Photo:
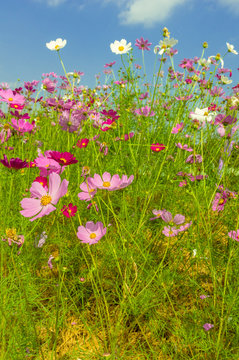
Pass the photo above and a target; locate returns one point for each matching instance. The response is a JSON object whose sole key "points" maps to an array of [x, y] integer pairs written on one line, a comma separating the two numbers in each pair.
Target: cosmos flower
{"points": [[230, 48], [165, 45], [91, 233], [120, 47], [208, 326], [42, 202], [88, 190], [11, 97], [82, 143], [143, 44], [22, 125], [157, 147], [69, 210], [109, 182], [14, 163], [234, 235], [202, 115], [63, 158], [177, 128], [56, 45]]}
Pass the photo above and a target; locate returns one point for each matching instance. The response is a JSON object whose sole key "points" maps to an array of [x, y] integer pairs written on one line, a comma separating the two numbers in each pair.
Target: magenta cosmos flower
{"points": [[109, 182], [234, 235], [69, 210], [14, 163], [157, 147], [143, 44], [63, 158], [91, 233], [42, 202]]}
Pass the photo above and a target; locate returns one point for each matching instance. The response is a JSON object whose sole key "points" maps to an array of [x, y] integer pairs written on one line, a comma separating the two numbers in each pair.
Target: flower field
{"points": [[119, 210]]}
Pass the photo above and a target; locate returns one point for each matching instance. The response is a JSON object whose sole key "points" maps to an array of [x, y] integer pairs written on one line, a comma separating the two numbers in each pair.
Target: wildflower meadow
{"points": [[119, 228]]}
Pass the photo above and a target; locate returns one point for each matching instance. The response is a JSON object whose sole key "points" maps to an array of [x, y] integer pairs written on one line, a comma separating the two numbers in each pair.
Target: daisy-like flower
{"points": [[234, 235], [202, 115], [143, 44], [225, 80], [42, 202], [56, 45], [11, 97], [69, 210], [63, 158], [47, 165], [230, 48], [144, 111], [82, 143], [12, 237], [88, 190], [91, 233], [219, 202], [177, 128], [120, 47], [184, 147], [165, 45], [14, 163], [109, 182], [157, 147], [22, 125], [170, 231], [208, 326], [158, 214]]}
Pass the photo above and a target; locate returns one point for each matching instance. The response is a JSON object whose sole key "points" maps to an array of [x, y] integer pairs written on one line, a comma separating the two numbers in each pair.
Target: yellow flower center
{"points": [[11, 233], [6, 126], [206, 113], [10, 99], [121, 48], [92, 236], [45, 200], [221, 201], [91, 190], [57, 47], [64, 160], [106, 184]]}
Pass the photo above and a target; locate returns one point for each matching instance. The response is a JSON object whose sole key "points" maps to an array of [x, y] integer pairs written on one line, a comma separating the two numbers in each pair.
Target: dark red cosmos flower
{"points": [[157, 147], [69, 210], [63, 158], [14, 163], [110, 114], [82, 143]]}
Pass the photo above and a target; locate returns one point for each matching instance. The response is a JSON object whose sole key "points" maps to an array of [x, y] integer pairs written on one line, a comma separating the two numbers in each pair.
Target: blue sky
{"points": [[89, 26]]}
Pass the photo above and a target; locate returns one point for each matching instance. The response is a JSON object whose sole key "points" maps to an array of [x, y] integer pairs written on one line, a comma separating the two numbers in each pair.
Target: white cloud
{"points": [[146, 12], [232, 5], [52, 3]]}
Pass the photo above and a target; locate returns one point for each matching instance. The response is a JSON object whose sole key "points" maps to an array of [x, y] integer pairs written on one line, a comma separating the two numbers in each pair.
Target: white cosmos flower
{"points": [[230, 48], [56, 45], [222, 62], [204, 62], [225, 80], [164, 45], [202, 115], [120, 47]]}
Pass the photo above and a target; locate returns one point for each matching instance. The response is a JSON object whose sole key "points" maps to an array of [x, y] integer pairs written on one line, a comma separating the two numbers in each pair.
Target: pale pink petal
{"points": [[37, 190], [46, 210], [106, 177], [178, 219], [166, 216]]}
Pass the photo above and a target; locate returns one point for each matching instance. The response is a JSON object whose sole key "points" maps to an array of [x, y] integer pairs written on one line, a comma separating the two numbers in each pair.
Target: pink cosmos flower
{"points": [[219, 202], [109, 182], [194, 159], [208, 326], [177, 220], [110, 64], [158, 214], [183, 147], [47, 166], [204, 296], [234, 235], [157, 147], [91, 233], [43, 201], [144, 96], [88, 190], [170, 231], [69, 210], [49, 85], [177, 128], [49, 263], [11, 97], [143, 44], [144, 111], [22, 126]]}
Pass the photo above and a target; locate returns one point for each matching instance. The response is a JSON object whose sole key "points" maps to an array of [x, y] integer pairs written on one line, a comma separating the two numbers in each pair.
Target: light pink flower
{"points": [[208, 326], [109, 182], [158, 214], [183, 147], [177, 128], [43, 201], [144, 111], [22, 125], [177, 220], [91, 233], [219, 202], [88, 190], [234, 235], [47, 165], [170, 231], [9, 97]]}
